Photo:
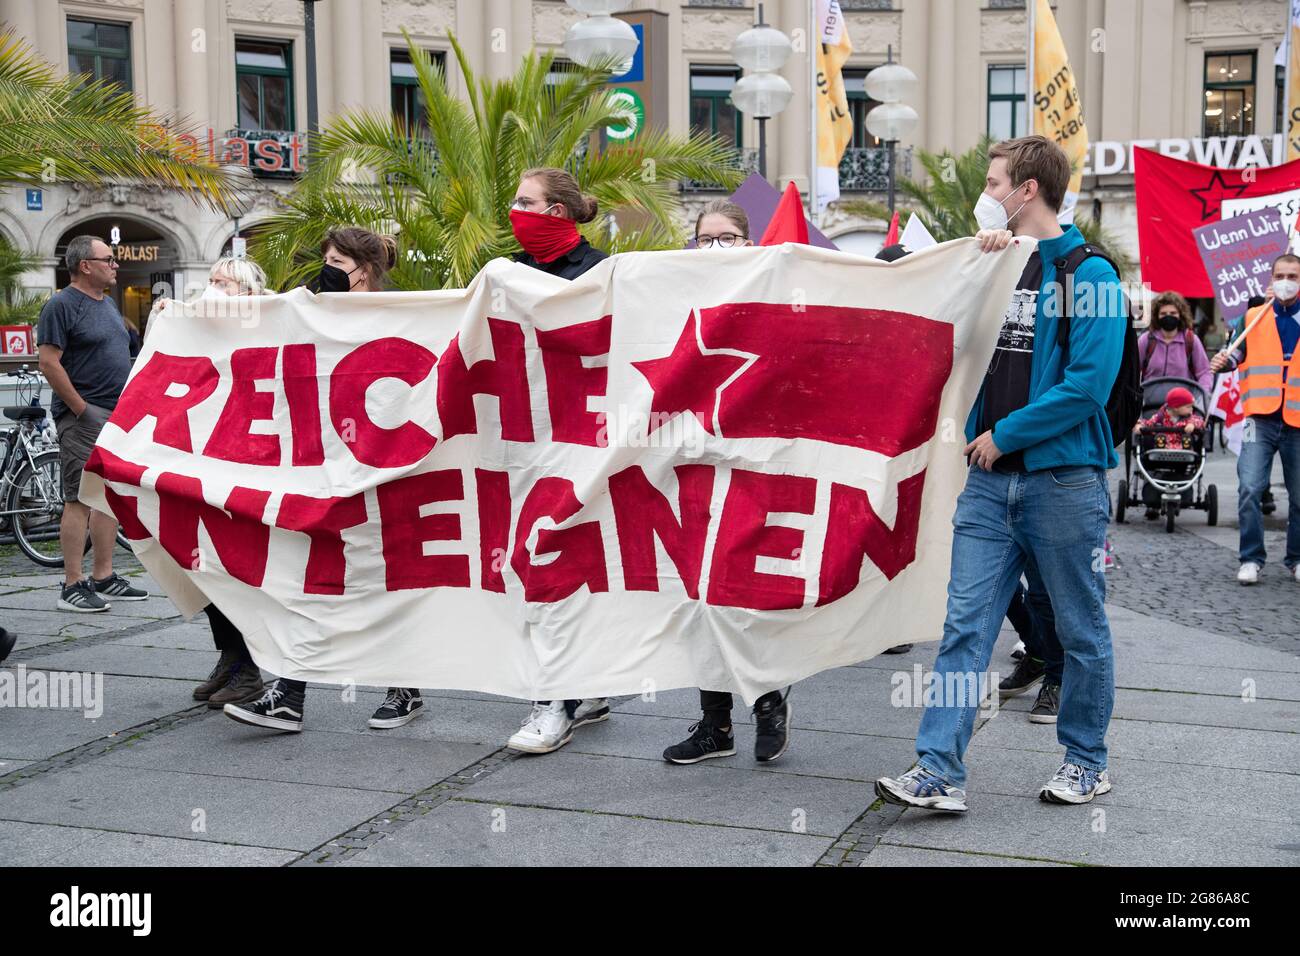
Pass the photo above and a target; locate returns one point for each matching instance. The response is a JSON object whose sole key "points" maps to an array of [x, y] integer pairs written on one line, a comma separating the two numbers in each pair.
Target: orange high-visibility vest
{"points": [[1262, 388]]}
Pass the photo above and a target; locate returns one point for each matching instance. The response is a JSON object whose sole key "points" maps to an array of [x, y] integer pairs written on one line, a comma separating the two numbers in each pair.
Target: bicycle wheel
{"points": [[36, 508]]}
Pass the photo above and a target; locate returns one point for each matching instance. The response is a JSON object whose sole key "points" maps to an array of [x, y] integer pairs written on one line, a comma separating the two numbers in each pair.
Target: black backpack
{"points": [[1124, 406]]}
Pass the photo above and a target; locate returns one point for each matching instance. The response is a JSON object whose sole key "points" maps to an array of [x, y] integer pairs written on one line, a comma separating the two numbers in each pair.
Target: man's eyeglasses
{"points": [[724, 241], [111, 260]]}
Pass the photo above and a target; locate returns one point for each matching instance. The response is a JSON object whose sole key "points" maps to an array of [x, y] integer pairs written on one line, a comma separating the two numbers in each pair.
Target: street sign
{"points": [[635, 73], [35, 200], [627, 132]]}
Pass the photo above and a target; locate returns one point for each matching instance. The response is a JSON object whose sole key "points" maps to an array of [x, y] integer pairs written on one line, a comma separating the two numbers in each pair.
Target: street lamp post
{"points": [[309, 27], [892, 119], [762, 92]]}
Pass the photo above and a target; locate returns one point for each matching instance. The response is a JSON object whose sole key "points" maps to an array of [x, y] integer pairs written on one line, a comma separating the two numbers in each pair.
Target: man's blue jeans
{"points": [[1058, 518], [1265, 437]]}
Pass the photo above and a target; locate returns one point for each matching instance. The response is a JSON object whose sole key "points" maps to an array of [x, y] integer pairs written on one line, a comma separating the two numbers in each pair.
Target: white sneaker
{"points": [[1248, 573], [547, 728], [591, 710], [1295, 573]]}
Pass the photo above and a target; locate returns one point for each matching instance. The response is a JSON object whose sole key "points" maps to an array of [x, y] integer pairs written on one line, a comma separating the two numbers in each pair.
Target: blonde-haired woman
{"points": [[235, 678]]}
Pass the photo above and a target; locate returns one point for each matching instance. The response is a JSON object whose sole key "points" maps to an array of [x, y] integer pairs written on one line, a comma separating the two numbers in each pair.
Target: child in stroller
{"points": [[1168, 448]]}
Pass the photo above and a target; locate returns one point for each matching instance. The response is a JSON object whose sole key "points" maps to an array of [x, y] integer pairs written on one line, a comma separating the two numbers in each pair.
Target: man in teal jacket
{"points": [[1039, 444]]}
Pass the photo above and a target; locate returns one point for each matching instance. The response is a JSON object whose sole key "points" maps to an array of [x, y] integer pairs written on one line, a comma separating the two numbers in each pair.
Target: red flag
{"points": [[788, 223], [891, 237], [1175, 196]]}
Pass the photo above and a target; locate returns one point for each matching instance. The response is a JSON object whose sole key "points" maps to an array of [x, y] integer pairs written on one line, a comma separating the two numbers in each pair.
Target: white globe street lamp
{"points": [[599, 39], [892, 119], [762, 92], [599, 8]]}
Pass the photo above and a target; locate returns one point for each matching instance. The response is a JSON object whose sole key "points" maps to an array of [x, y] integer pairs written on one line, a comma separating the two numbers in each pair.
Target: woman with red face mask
{"points": [[547, 208], [544, 215]]}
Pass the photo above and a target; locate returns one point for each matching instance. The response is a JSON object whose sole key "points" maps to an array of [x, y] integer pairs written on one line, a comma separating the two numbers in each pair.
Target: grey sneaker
{"points": [[81, 597], [1047, 705], [920, 788], [1075, 784], [590, 710], [119, 588]]}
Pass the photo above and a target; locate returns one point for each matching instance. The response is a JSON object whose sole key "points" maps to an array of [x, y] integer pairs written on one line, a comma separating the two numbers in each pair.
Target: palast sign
{"points": [[1112, 157]]}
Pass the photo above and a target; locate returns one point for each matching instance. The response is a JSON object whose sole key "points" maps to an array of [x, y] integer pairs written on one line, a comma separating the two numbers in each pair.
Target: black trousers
{"points": [[225, 635], [716, 704]]}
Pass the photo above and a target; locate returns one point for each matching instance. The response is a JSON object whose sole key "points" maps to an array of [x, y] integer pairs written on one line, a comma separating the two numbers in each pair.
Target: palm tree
{"points": [[17, 305], [70, 129], [446, 197], [946, 199]]}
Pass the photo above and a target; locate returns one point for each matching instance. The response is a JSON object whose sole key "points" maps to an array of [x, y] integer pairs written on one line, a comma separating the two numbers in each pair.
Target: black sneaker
{"points": [[1048, 704], [899, 649], [772, 736], [705, 741], [1029, 671], [81, 597], [401, 706], [280, 708], [119, 588], [7, 641]]}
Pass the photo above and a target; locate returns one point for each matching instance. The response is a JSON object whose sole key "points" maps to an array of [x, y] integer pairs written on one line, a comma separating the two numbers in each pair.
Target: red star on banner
{"points": [[687, 380], [1213, 193]]}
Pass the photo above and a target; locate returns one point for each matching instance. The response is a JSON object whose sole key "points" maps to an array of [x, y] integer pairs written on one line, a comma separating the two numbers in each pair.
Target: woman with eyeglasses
{"points": [[353, 260], [724, 225], [544, 216]]}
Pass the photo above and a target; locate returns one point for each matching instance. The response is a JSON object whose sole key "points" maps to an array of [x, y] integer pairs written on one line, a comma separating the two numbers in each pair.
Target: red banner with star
{"points": [[726, 469]]}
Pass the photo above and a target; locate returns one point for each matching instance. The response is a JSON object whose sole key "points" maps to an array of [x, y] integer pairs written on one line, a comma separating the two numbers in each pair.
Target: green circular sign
{"points": [[625, 133]]}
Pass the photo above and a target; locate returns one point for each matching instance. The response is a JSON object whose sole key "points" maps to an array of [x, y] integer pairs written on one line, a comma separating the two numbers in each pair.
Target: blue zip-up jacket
{"points": [[1064, 422]]}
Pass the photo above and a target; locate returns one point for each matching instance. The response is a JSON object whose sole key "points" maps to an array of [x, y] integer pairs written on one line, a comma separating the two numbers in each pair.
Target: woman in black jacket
{"points": [[544, 216]]}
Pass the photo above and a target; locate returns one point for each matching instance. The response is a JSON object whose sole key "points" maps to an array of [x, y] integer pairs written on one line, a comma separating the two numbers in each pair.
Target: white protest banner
{"points": [[725, 469]]}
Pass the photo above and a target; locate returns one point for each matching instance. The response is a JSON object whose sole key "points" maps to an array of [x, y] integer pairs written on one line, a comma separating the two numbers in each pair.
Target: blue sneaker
{"points": [[920, 788], [1075, 784]]}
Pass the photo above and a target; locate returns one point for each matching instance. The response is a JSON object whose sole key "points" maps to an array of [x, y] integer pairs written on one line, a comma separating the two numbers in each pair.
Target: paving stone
{"points": [[36, 733], [652, 788], [35, 844], [1132, 836], [458, 833], [890, 855], [130, 661], [163, 803], [222, 747]]}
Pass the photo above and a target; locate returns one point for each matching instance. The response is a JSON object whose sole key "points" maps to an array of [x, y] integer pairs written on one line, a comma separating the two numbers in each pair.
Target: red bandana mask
{"points": [[543, 237]]}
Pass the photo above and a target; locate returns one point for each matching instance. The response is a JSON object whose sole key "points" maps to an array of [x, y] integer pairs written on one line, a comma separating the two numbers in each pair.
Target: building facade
{"points": [[1190, 77]]}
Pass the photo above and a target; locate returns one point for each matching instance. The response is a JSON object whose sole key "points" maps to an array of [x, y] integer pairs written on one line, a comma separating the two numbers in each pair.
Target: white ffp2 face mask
{"points": [[991, 214], [213, 292], [1286, 289]]}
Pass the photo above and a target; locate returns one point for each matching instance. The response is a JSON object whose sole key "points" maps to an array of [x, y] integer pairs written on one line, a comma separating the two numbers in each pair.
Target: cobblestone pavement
{"points": [[153, 778]]}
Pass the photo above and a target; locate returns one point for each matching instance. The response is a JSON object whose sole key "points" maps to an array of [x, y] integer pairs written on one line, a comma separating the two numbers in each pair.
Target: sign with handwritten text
{"points": [[1238, 255]]}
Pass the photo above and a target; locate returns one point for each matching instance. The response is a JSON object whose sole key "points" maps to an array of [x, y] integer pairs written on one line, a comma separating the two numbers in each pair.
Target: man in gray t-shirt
{"points": [[85, 356]]}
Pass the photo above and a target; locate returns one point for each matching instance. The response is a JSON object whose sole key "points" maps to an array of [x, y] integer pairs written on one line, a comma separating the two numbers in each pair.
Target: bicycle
{"points": [[31, 479]]}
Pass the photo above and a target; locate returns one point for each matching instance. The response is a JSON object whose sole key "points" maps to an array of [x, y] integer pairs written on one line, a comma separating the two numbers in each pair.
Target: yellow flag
{"points": [[1292, 92], [1058, 113], [833, 121]]}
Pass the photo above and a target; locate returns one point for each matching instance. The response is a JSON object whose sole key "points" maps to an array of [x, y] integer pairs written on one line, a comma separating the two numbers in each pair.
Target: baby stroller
{"points": [[1168, 479]]}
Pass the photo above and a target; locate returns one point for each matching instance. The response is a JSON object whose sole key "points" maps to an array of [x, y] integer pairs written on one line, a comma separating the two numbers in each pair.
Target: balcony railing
{"points": [[866, 168], [748, 164]]}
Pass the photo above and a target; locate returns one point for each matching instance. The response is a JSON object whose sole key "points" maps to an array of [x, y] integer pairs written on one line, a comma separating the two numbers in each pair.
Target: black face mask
{"points": [[331, 279], [1169, 322]]}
